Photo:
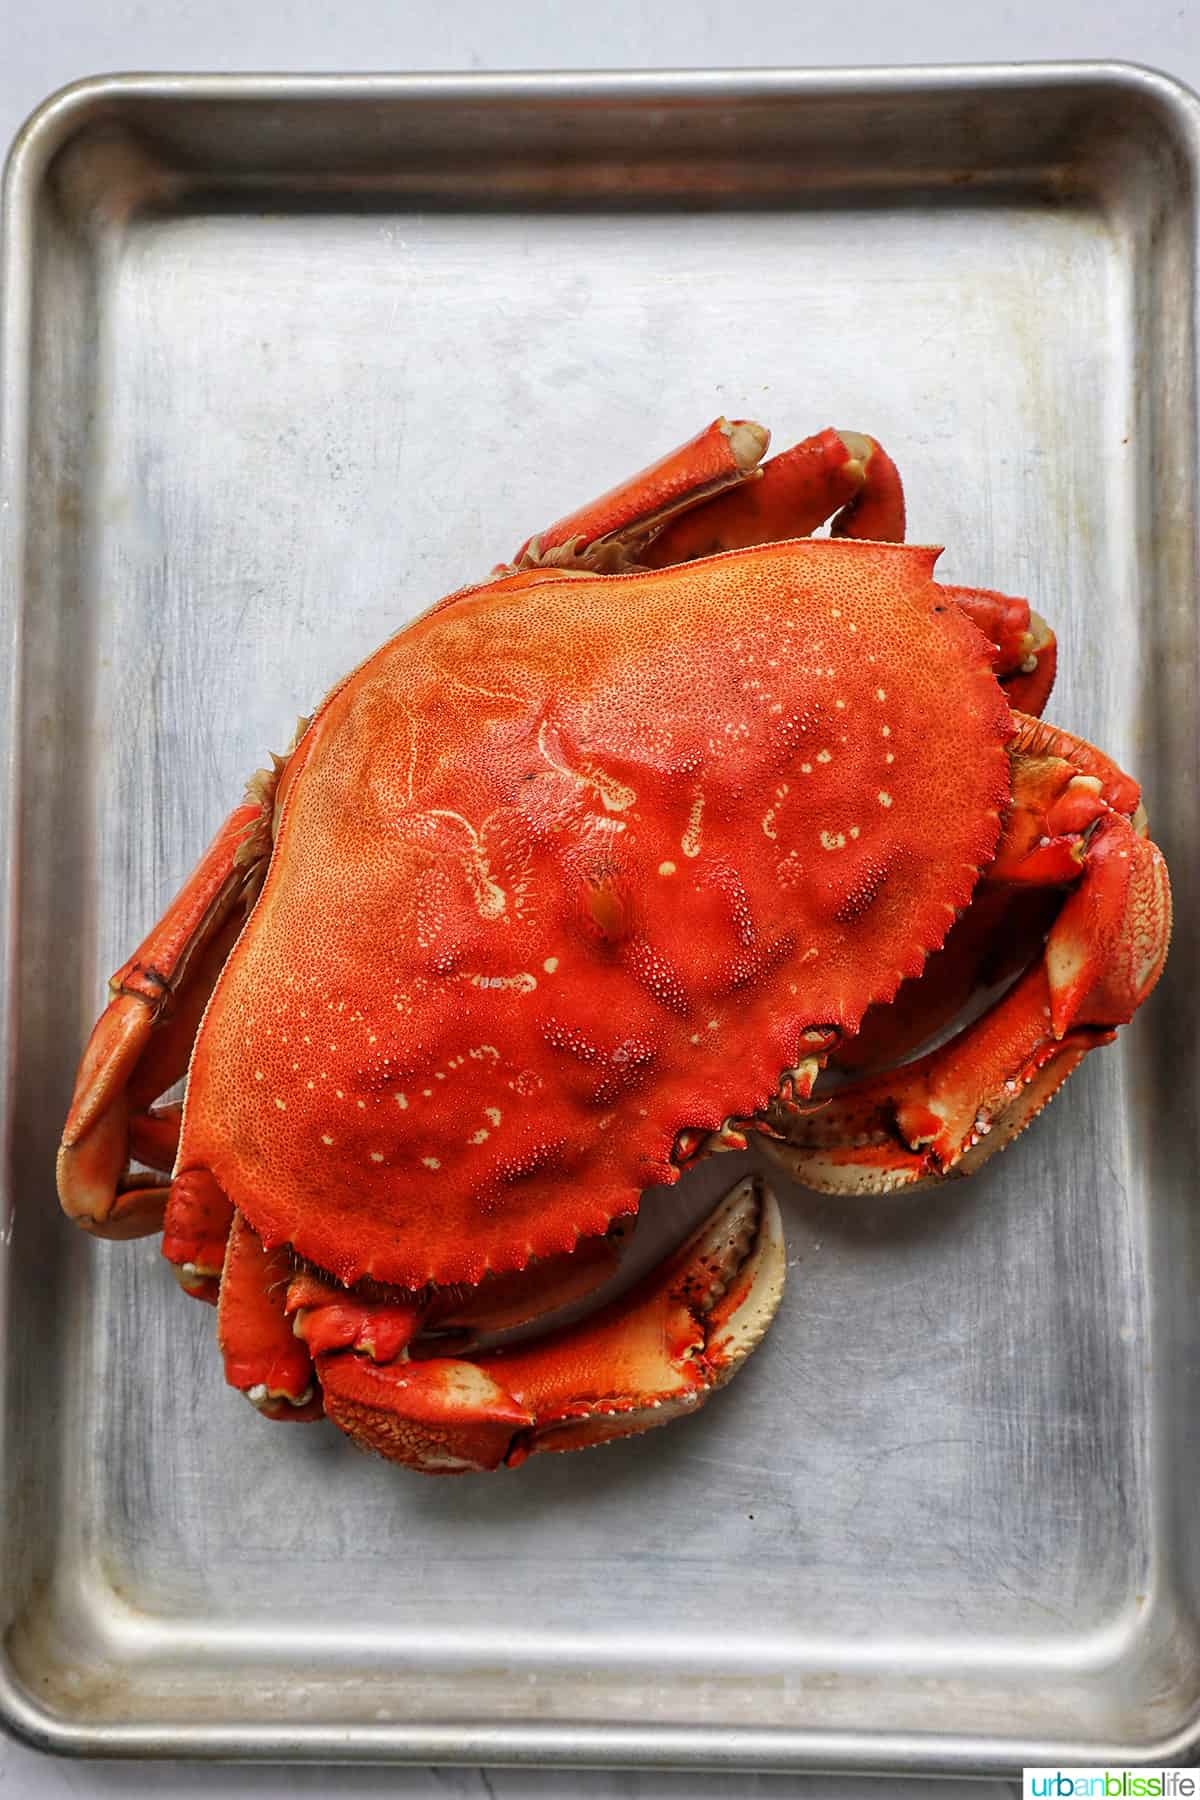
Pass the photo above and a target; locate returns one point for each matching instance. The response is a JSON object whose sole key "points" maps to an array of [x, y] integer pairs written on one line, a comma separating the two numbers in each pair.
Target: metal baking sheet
{"points": [[284, 360]]}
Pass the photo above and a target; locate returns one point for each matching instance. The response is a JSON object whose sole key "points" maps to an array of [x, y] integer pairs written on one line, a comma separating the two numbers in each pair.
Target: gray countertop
{"points": [[43, 47]]}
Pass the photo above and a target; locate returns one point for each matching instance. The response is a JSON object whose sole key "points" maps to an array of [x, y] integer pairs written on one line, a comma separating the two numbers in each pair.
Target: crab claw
{"points": [[662, 1349], [650, 1355]]}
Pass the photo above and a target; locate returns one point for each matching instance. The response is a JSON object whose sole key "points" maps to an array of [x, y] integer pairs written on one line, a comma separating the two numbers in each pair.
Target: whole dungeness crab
{"points": [[591, 869]]}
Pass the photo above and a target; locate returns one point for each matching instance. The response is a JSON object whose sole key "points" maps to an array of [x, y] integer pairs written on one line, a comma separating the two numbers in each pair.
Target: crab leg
{"points": [[197, 1219], [647, 1357], [1061, 788], [608, 532], [951, 1109], [142, 1041], [154, 1136], [990, 943], [263, 1357], [1026, 648], [920, 1121], [839, 472]]}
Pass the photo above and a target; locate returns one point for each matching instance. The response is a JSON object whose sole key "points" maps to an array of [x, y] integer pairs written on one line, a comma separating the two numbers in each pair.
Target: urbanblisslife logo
{"points": [[1112, 1784]]}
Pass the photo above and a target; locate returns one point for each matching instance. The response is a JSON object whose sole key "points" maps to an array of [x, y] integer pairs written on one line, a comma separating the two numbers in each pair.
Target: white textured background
{"points": [[43, 46]]}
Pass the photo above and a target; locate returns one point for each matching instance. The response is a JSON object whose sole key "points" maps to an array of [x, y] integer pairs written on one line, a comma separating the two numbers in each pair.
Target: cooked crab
{"points": [[590, 870]]}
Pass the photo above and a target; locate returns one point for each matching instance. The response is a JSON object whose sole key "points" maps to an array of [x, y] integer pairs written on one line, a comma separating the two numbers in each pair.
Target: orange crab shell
{"points": [[568, 867]]}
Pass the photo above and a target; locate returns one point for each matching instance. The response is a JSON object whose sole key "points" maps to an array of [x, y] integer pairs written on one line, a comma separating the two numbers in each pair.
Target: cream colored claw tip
{"points": [[747, 440], [738, 1254], [262, 1397], [859, 448]]}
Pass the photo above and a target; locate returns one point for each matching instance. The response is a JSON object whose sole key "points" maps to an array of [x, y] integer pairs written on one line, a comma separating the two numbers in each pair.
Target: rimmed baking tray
{"points": [[285, 358]]}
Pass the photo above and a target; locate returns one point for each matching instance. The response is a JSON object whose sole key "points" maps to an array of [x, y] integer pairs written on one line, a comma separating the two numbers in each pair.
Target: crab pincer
{"points": [[646, 1358]]}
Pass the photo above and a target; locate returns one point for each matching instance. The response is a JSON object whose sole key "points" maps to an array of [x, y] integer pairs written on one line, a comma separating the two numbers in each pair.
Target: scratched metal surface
{"points": [[285, 359]]}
